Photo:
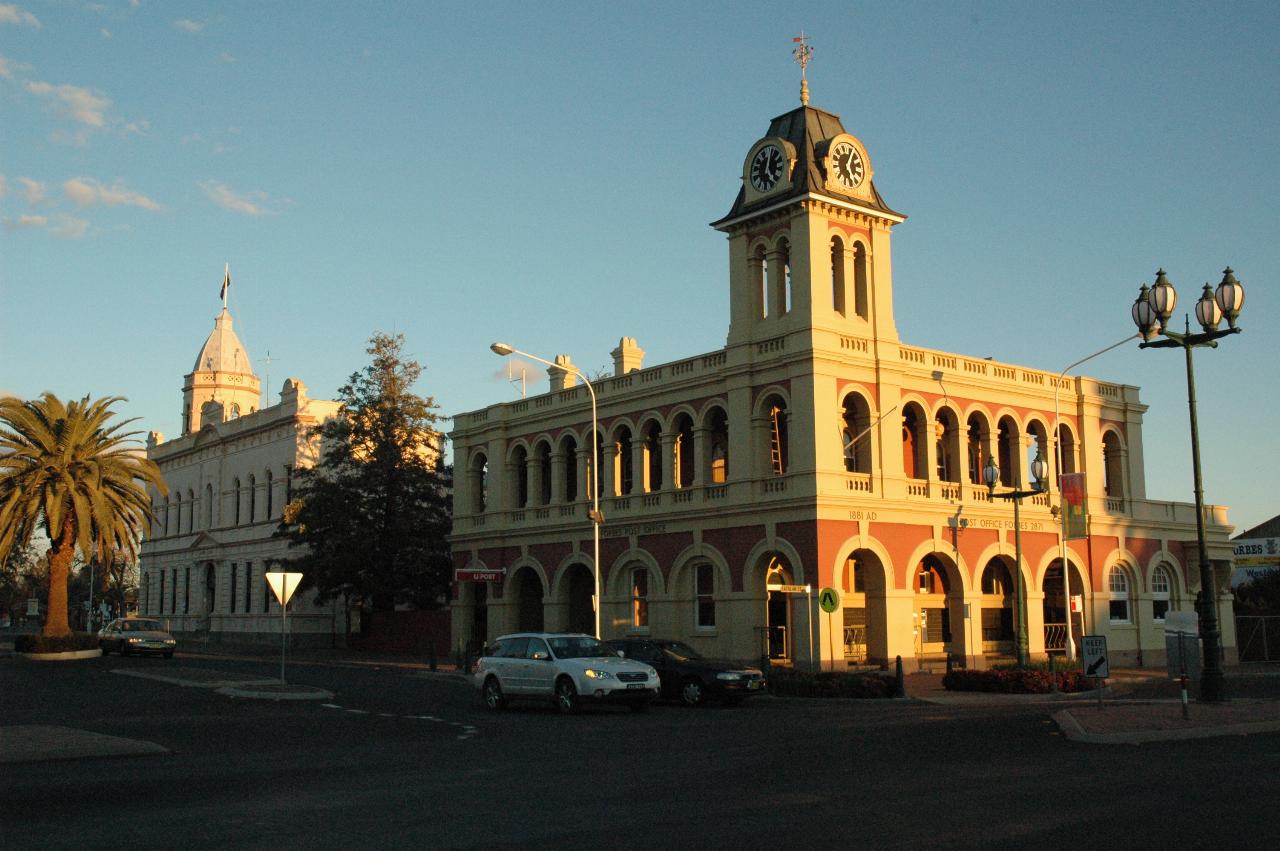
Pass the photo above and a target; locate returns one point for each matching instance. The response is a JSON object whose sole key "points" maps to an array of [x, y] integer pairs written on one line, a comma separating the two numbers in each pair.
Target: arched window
{"points": [[855, 434], [520, 465], [1067, 446], [177, 513], [946, 429], [208, 506], [837, 275], [861, 290], [718, 424], [784, 277], [1113, 465], [253, 499], [235, 486], [479, 483], [1161, 593], [640, 597], [191, 510], [704, 589], [913, 442], [684, 452], [1008, 457], [1118, 585], [569, 462], [977, 455], [623, 462], [268, 494], [543, 455], [165, 518], [760, 281], [653, 456]]}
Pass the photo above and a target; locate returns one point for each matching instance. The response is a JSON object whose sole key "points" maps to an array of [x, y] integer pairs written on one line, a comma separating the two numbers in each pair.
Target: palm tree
{"points": [[64, 465]]}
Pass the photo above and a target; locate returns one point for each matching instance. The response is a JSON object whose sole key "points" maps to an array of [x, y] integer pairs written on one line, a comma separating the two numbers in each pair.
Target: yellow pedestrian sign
{"points": [[829, 600]]}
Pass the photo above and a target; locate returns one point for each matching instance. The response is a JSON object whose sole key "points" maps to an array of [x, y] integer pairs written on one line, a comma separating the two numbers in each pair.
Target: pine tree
{"points": [[371, 518]]}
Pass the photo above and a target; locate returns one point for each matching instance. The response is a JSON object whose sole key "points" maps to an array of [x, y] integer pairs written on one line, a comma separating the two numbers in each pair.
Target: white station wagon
{"points": [[566, 668]]}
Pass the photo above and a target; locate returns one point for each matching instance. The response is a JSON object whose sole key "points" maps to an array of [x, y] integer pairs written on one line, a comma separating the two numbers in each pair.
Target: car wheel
{"points": [[566, 696], [691, 693], [493, 696]]}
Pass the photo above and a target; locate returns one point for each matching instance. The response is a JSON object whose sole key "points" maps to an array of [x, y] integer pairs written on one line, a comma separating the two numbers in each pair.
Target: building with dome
{"points": [[818, 450], [229, 475]]}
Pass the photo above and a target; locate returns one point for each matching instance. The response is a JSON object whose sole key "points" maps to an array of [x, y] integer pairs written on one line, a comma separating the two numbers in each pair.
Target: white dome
{"points": [[223, 351]]}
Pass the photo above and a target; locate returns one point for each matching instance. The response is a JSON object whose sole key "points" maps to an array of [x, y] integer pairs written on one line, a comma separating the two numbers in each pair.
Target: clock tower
{"points": [[809, 237]]}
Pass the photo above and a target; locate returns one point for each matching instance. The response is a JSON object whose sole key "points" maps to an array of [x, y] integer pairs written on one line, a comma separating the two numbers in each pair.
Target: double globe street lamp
{"points": [[991, 475], [1151, 312], [594, 514]]}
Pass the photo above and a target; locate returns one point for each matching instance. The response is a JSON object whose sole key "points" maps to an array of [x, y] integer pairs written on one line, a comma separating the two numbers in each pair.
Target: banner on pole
{"points": [[1075, 511]]}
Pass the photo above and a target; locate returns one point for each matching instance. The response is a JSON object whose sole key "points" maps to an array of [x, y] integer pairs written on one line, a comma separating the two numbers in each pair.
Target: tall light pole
{"points": [[1057, 444], [596, 517], [1151, 312], [991, 475]]}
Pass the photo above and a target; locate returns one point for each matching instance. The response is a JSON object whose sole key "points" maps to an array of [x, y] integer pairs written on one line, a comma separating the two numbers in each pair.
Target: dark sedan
{"points": [[687, 675], [136, 635]]}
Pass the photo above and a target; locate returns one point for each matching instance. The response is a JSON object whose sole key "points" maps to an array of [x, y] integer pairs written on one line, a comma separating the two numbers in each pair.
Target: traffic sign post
{"points": [[1093, 659], [829, 602], [283, 585]]}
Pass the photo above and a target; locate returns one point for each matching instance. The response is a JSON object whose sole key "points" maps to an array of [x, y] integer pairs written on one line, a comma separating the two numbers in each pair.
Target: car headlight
{"points": [[171, 641], [729, 675], [593, 674], [135, 640]]}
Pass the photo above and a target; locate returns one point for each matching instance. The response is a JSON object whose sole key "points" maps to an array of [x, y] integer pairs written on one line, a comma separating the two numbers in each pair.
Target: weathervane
{"points": [[802, 54]]}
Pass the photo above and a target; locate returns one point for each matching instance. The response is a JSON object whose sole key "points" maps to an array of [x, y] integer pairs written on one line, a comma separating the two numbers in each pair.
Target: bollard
{"points": [[899, 688]]}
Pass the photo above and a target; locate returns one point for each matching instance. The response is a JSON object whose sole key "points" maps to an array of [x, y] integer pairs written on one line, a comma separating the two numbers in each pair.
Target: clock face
{"points": [[766, 168], [846, 165]]}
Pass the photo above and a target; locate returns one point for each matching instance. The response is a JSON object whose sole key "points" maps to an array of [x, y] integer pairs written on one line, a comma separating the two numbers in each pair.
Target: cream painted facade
{"points": [[229, 477], [817, 448]]}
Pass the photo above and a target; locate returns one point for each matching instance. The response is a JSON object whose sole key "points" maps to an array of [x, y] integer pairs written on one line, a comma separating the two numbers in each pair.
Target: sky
{"points": [[544, 174]]}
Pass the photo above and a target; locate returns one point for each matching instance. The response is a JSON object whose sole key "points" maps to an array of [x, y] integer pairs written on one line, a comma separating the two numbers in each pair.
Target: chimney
{"points": [[628, 357], [560, 379]]}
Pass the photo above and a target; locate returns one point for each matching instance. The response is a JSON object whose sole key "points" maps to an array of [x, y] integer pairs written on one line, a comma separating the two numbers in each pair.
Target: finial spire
{"points": [[226, 285], [802, 55]]}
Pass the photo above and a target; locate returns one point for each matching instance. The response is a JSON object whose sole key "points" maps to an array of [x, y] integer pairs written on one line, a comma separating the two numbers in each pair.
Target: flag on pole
{"points": [[226, 284], [1075, 512]]}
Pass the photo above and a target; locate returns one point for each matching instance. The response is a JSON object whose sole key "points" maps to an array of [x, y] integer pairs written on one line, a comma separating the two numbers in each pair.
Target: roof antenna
{"points": [[802, 55], [266, 380]]}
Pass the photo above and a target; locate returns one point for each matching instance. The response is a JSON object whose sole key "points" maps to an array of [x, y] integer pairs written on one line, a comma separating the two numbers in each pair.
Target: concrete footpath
{"points": [[1138, 705]]}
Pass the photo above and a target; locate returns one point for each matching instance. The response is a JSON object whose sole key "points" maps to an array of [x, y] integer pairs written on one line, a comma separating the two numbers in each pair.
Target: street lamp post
{"points": [[596, 517], [991, 475], [1151, 312]]}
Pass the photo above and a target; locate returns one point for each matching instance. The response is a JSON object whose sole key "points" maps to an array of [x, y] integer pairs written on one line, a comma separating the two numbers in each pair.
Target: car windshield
{"points": [[580, 648], [141, 626], [680, 651]]}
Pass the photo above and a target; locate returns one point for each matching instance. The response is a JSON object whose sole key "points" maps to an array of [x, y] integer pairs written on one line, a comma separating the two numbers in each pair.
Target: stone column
{"points": [[558, 478], [609, 480], [639, 469], [667, 442], [533, 470], [701, 456]]}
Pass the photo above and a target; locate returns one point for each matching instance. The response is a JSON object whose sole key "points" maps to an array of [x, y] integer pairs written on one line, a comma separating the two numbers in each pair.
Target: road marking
{"points": [[467, 731]]}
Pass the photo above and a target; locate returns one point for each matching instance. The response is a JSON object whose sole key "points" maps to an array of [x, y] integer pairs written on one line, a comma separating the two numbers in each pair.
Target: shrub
{"points": [[55, 644], [1029, 680], [828, 684]]}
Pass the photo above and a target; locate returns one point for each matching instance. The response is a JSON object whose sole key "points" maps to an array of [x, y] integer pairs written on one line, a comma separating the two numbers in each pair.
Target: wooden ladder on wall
{"points": [[775, 440]]}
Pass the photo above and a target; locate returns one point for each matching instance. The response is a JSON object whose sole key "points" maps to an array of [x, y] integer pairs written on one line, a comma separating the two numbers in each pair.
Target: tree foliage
{"points": [[66, 465], [371, 518], [1260, 595]]}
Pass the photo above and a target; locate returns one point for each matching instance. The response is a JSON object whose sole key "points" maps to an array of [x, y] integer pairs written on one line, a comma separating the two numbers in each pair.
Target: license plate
{"points": [[636, 685]]}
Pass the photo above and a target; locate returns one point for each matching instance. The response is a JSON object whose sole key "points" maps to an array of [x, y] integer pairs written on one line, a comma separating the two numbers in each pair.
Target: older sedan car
{"points": [[566, 668], [136, 635], [687, 675]]}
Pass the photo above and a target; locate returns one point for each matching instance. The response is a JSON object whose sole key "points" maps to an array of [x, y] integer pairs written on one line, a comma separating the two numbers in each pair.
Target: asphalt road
{"points": [[399, 758]]}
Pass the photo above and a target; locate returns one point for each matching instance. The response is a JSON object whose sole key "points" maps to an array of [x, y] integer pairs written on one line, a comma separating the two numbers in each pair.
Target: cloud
{"points": [[32, 190], [6, 68], [76, 103], [60, 225], [106, 33], [227, 58], [188, 25], [26, 221], [11, 14], [248, 204], [140, 127], [4, 186], [86, 192]]}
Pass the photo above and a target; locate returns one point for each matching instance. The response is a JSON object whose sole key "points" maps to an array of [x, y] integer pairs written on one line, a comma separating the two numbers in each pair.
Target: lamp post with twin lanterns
{"points": [[1151, 312], [991, 475], [594, 514]]}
